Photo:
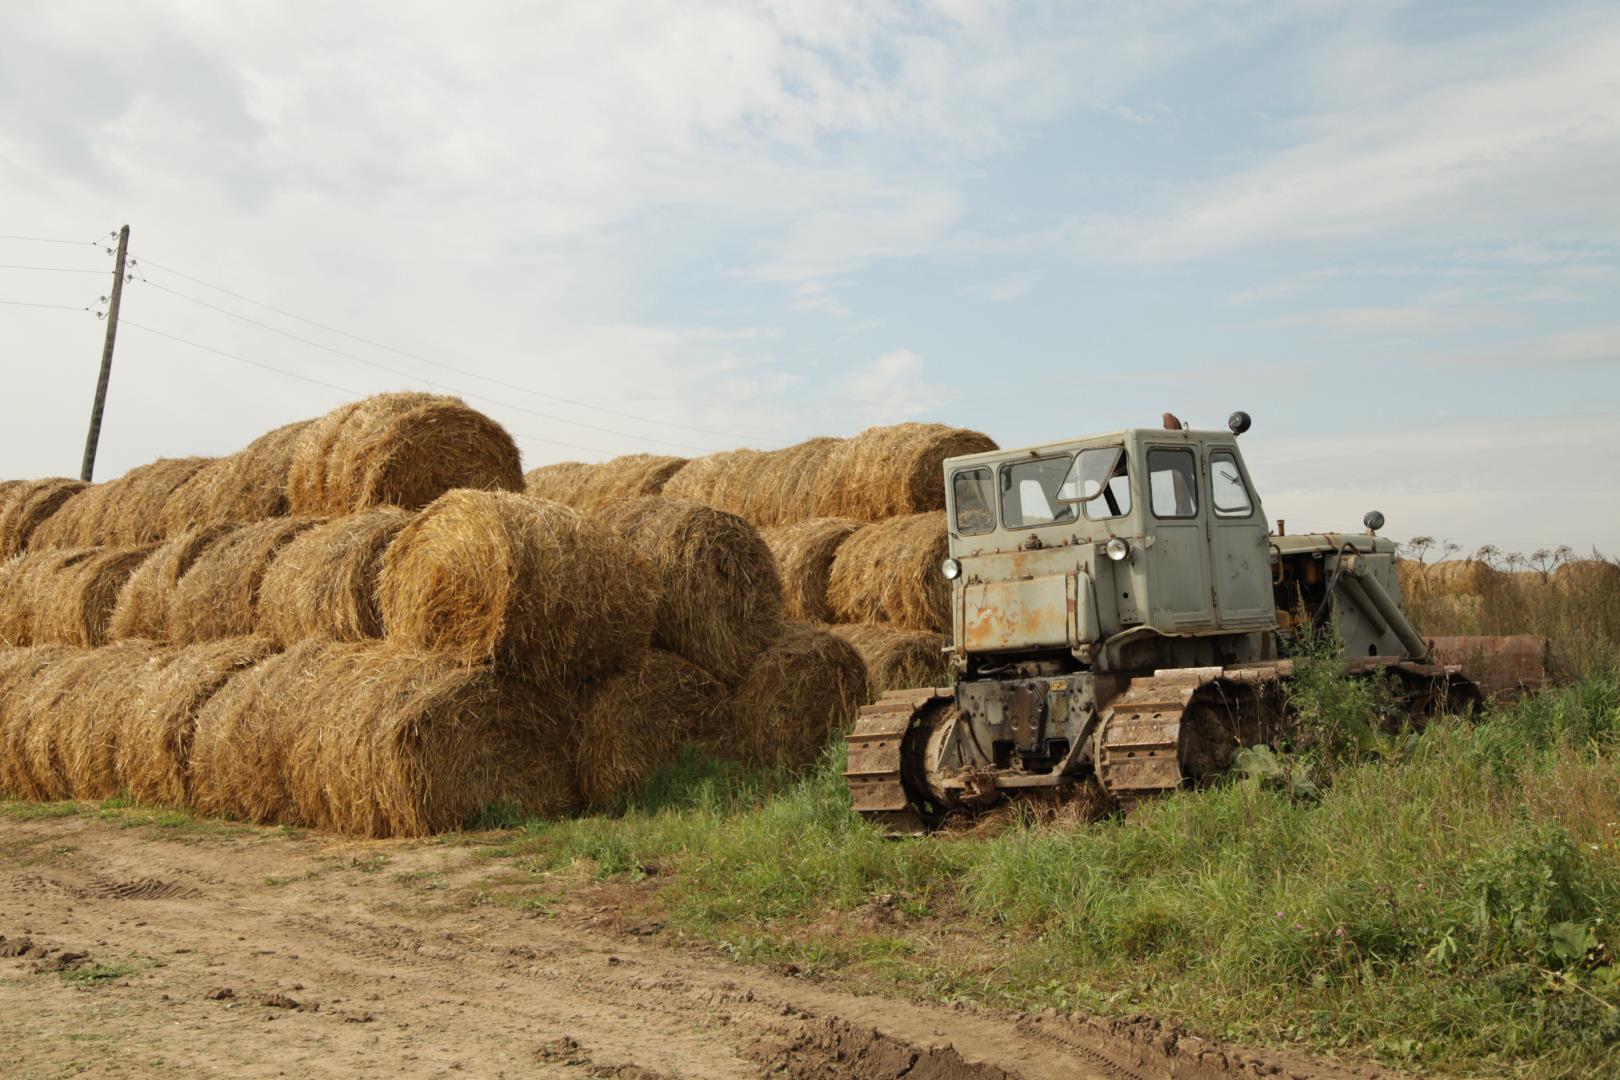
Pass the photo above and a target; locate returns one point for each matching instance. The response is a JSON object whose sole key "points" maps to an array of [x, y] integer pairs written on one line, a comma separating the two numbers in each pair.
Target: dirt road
{"points": [[124, 952]]}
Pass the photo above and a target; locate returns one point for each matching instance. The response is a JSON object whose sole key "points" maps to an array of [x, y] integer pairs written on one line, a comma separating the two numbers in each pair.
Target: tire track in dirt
{"points": [[273, 956]]}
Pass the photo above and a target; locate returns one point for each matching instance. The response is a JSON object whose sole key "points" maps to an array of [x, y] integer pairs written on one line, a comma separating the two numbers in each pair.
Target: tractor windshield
{"points": [[1099, 471]]}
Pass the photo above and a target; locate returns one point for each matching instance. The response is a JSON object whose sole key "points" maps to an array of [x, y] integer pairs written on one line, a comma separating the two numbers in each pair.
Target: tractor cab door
{"points": [[1180, 593], [1239, 548]]}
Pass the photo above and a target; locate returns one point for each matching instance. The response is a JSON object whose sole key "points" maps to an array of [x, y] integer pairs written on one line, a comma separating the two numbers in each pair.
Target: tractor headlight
{"points": [[1117, 549], [951, 569]]}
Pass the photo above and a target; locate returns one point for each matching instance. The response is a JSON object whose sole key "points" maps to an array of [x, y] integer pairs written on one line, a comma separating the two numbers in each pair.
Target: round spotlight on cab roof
{"points": [[1374, 521], [1238, 422], [951, 569], [1117, 549]]}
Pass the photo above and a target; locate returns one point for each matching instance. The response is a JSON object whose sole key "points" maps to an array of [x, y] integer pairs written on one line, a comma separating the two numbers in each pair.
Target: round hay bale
{"points": [[249, 485], [219, 596], [152, 759], [1465, 577], [897, 659], [86, 728], [28, 584], [57, 702], [889, 572], [373, 741], [1581, 577], [30, 506], [19, 668], [590, 487], [721, 597], [803, 691], [634, 723], [804, 556], [526, 584], [763, 487], [126, 512], [887, 471], [324, 583], [75, 607], [1413, 577], [399, 450], [142, 610]]}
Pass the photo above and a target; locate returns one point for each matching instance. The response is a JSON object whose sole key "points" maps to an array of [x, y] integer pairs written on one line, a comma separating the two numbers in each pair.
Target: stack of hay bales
{"points": [[593, 487]]}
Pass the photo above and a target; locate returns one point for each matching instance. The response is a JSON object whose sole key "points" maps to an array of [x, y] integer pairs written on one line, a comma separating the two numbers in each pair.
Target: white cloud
{"points": [[893, 385], [1007, 288]]}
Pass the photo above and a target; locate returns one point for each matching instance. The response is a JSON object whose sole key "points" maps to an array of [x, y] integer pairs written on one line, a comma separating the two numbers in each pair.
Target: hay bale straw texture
{"points": [[1580, 576], [887, 471], [526, 584], [83, 733], [142, 610], [152, 758], [804, 557], [30, 505], [591, 487], [721, 597], [73, 604], [763, 487], [19, 670], [635, 723], [324, 583], [897, 659], [372, 741], [889, 572], [126, 512], [1465, 577], [249, 485], [398, 450], [804, 689], [218, 596], [28, 583]]}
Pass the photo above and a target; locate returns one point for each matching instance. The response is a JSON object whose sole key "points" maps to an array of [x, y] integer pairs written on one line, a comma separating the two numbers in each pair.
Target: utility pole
{"points": [[100, 406]]}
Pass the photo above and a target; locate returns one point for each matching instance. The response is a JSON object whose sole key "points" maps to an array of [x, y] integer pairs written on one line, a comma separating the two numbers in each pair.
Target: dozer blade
{"points": [[876, 757], [1503, 666]]}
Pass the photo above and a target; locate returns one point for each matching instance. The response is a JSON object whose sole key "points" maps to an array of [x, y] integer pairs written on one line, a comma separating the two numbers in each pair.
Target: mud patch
{"points": [[827, 1048]]}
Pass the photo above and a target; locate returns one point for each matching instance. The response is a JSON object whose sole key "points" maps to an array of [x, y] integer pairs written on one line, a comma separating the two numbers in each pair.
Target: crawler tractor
{"points": [[1122, 612]]}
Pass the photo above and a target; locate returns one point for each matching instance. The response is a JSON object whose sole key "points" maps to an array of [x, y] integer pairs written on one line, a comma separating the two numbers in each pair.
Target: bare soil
{"points": [[248, 953]]}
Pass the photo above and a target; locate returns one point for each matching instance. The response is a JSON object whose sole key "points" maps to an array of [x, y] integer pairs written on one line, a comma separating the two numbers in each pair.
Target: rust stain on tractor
{"points": [[1030, 613]]}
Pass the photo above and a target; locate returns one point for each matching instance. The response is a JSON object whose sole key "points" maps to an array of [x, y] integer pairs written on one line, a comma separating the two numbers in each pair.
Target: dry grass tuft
{"points": [[721, 598], [152, 759], [218, 597], [29, 506], [592, 487], [526, 584], [635, 723], [126, 512], [249, 485], [804, 557], [897, 659], [142, 610], [403, 450], [804, 690], [887, 471], [372, 741], [73, 603], [324, 583], [889, 572]]}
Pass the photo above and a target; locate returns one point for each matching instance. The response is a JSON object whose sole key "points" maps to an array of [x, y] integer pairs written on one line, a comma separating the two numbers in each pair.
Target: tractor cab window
{"points": [[1031, 493], [1099, 482], [1173, 483], [1227, 490], [973, 501]]}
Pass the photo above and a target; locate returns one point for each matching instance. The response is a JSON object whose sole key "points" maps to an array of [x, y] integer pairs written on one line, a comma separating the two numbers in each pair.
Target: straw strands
{"points": [[526, 584], [806, 688], [398, 450], [219, 596], [591, 487], [804, 556], [888, 471], [372, 741], [126, 512], [27, 584], [19, 668], [763, 487], [721, 597], [898, 659], [889, 572], [142, 610], [634, 723], [249, 485], [324, 583], [73, 602], [28, 506]]}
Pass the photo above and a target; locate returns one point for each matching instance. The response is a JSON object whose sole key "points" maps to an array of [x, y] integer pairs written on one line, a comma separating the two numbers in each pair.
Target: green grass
{"points": [[1440, 900], [96, 974]]}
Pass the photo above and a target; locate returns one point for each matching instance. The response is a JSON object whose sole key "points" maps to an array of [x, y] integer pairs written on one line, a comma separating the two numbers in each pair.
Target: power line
{"points": [[412, 375], [53, 240], [448, 367], [328, 385], [56, 307], [54, 269]]}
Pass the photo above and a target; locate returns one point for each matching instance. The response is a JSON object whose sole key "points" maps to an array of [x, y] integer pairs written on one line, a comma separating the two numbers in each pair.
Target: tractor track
{"points": [[302, 956]]}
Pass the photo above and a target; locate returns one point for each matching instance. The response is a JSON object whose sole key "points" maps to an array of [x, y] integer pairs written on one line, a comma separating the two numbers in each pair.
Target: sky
{"points": [[1388, 231]]}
